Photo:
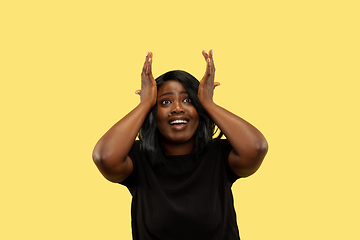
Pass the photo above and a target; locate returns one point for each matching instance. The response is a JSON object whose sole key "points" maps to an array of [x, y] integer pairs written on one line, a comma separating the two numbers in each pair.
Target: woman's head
{"points": [[176, 118], [149, 132]]}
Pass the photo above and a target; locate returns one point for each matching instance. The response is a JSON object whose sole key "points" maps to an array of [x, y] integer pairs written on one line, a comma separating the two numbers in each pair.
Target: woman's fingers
{"points": [[211, 62], [147, 68], [206, 56], [210, 67], [211, 53], [147, 64]]}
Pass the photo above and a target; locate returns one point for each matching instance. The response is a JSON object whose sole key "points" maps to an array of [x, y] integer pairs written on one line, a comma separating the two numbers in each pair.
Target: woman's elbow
{"points": [[102, 160], [97, 157], [258, 149], [263, 147]]}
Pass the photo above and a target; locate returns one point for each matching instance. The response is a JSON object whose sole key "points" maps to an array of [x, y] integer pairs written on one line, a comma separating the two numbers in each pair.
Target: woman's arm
{"points": [[249, 145], [111, 152]]}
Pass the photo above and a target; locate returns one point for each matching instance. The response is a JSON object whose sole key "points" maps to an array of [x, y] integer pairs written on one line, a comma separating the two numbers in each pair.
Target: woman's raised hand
{"points": [[148, 92], [207, 84]]}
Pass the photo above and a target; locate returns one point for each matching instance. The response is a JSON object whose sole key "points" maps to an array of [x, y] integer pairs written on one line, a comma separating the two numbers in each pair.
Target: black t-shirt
{"points": [[184, 198]]}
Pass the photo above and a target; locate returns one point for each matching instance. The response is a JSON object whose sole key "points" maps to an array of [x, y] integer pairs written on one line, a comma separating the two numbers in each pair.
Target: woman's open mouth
{"points": [[178, 124]]}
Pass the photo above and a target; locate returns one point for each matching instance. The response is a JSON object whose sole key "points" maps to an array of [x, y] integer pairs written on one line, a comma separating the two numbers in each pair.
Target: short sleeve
{"points": [[135, 155], [225, 149]]}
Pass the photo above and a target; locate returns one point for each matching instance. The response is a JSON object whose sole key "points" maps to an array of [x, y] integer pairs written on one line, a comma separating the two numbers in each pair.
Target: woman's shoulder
{"points": [[135, 151], [220, 149], [218, 145], [216, 142]]}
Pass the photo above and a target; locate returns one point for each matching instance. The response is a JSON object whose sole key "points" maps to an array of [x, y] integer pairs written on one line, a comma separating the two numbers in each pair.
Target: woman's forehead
{"points": [[170, 87]]}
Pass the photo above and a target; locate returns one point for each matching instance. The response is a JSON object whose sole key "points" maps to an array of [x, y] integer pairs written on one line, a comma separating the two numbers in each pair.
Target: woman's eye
{"points": [[165, 102], [187, 100]]}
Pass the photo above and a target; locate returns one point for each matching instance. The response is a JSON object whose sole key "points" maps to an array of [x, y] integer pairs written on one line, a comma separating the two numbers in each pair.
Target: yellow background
{"points": [[69, 70]]}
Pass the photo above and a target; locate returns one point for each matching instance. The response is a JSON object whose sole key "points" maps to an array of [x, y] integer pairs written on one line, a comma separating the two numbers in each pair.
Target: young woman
{"points": [[179, 176]]}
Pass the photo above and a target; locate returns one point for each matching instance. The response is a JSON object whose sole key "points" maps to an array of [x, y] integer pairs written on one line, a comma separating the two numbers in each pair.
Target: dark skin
{"points": [[249, 145], [174, 104]]}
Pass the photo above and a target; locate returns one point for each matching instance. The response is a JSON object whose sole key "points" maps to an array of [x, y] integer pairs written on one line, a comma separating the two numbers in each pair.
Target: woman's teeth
{"points": [[178, 122]]}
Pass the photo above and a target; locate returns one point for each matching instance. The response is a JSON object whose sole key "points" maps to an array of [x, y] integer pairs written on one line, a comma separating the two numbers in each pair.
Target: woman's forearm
{"points": [[113, 148], [246, 140]]}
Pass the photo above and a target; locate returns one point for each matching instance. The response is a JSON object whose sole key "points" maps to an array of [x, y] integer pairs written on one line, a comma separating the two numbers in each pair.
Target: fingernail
{"points": [[147, 53], [212, 52], [149, 59]]}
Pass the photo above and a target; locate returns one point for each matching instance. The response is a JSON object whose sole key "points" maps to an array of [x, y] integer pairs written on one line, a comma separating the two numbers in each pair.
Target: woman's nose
{"points": [[177, 108]]}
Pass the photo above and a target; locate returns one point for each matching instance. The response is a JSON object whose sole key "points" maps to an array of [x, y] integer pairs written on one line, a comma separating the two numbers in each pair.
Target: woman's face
{"points": [[177, 118]]}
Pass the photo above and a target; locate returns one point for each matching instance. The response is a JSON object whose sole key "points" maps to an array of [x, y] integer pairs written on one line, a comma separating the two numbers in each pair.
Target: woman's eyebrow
{"points": [[170, 93]]}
